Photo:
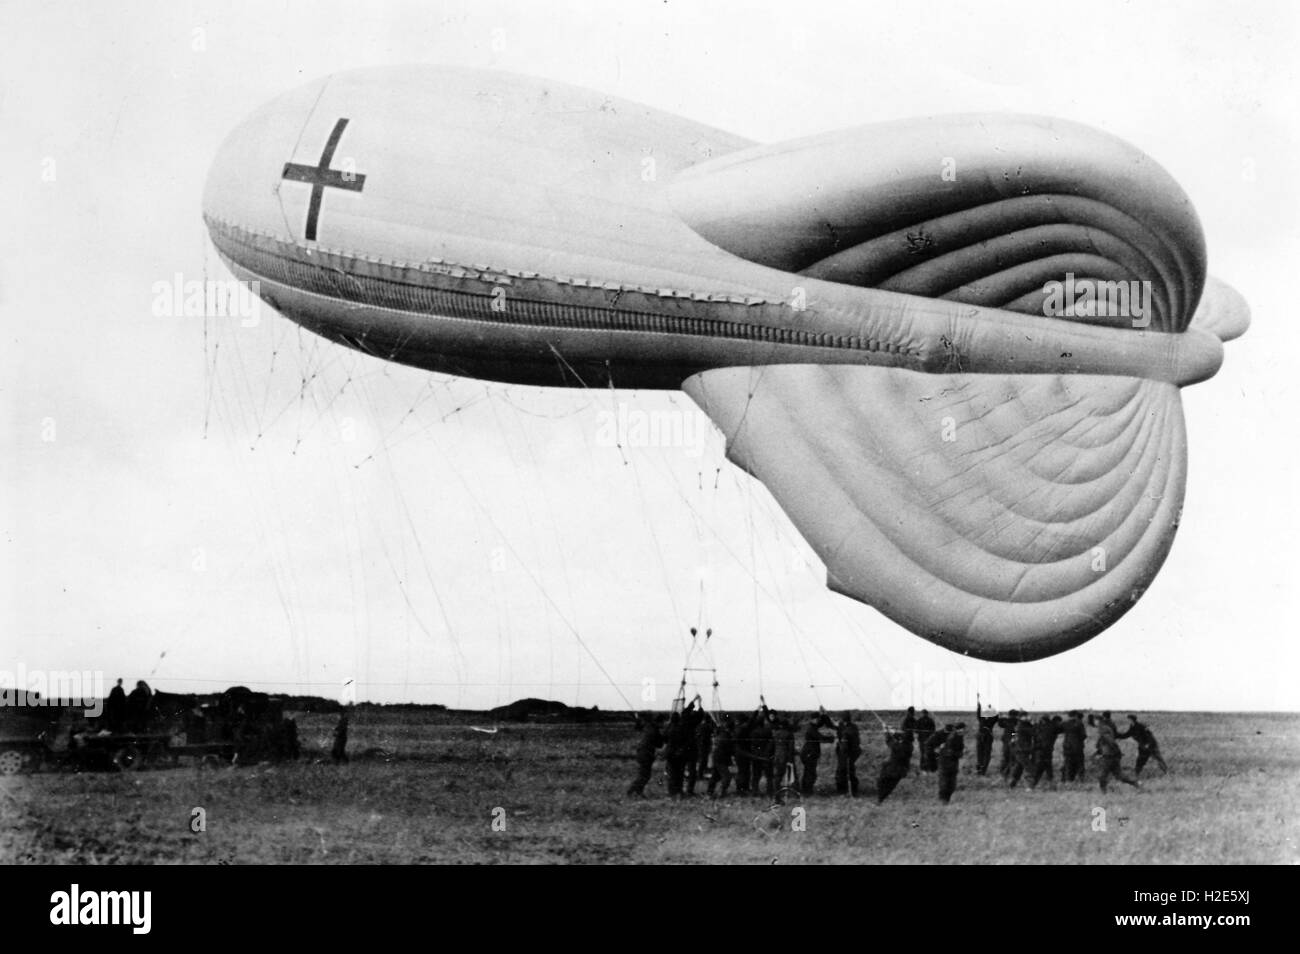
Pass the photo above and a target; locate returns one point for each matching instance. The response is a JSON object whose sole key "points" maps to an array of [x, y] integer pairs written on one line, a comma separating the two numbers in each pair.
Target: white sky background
{"points": [[442, 555]]}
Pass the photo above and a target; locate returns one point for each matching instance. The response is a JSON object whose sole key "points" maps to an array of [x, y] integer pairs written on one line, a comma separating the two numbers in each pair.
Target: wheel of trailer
{"points": [[210, 761], [14, 761], [128, 759]]}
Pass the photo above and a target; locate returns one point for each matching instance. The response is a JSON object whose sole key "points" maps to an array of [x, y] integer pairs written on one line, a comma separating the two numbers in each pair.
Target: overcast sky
{"points": [[201, 503]]}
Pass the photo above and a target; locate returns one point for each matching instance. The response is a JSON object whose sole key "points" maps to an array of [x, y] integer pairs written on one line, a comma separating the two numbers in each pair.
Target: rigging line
{"points": [[650, 524], [739, 562], [532, 532], [246, 381], [699, 612], [758, 636], [677, 614], [384, 447], [305, 359], [546, 595], [777, 521], [416, 402], [237, 448], [288, 229], [550, 509], [636, 475], [434, 422], [458, 655], [504, 396], [321, 411], [798, 641], [270, 375], [357, 582], [755, 376], [207, 368]]}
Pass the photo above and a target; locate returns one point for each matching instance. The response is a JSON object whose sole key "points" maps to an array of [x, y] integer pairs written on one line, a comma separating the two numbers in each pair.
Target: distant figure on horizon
{"points": [[138, 704], [339, 752], [115, 708]]}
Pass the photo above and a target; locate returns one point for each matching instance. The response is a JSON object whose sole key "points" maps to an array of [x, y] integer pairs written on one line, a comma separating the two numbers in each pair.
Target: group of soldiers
{"points": [[1028, 746], [763, 748], [129, 712], [775, 754]]}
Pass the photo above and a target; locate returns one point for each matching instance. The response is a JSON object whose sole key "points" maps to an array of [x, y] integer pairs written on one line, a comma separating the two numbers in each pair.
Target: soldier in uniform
{"points": [[783, 770], [1109, 756], [906, 729], [724, 748], [1023, 749], [1148, 747], [1073, 736], [339, 752], [950, 753], [703, 749], [692, 716], [743, 755], [896, 765], [760, 753], [930, 749], [676, 751], [848, 747], [139, 706], [984, 739], [652, 739], [1045, 733], [924, 731], [908, 725], [115, 708], [1008, 725], [811, 752]]}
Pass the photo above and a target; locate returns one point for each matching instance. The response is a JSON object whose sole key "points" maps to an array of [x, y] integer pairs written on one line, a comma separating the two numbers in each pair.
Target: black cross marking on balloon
{"points": [[321, 177]]}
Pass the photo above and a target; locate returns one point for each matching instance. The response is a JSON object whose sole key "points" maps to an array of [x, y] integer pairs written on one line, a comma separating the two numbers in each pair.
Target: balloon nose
{"points": [[254, 169]]}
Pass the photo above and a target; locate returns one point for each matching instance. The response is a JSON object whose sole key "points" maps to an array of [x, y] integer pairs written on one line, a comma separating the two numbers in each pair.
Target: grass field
{"points": [[419, 789]]}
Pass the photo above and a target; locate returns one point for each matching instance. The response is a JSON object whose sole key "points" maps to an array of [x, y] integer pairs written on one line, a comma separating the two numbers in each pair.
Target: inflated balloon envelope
{"points": [[951, 347]]}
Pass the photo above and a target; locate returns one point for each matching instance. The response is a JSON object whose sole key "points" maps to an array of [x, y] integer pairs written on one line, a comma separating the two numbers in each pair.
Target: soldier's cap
{"points": [[1106, 714], [959, 726], [1132, 718], [948, 727], [1076, 714]]}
